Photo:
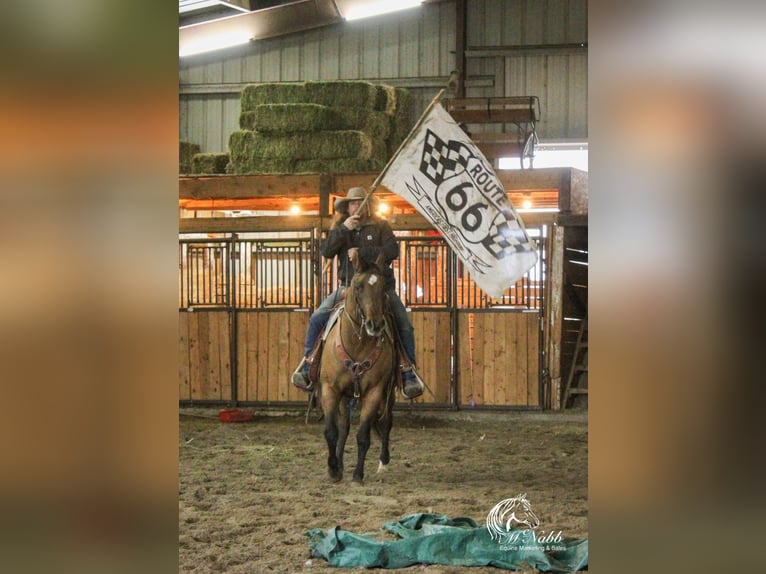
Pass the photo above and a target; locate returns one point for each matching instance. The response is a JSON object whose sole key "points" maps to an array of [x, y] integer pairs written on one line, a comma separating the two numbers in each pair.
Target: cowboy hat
{"points": [[353, 194]]}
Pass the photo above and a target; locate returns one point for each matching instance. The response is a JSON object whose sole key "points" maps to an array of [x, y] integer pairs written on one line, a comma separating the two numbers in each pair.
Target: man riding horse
{"points": [[360, 232]]}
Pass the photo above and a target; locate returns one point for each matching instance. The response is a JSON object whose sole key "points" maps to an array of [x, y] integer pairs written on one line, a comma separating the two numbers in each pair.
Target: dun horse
{"points": [[359, 362]]}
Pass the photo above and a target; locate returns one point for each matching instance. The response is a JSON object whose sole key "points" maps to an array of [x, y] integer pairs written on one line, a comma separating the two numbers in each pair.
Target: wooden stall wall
{"points": [[498, 361], [433, 347], [204, 357], [269, 348]]}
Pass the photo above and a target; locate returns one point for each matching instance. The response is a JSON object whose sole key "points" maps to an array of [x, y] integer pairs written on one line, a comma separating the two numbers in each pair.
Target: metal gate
{"points": [[244, 305]]}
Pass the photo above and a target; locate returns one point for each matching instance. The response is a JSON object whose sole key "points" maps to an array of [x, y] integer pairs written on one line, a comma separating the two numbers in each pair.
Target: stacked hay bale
{"points": [[185, 153], [209, 163], [317, 127]]}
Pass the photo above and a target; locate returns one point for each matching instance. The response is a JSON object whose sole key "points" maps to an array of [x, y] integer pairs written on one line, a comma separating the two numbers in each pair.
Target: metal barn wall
{"points": [[532, 47], [413, 49]]}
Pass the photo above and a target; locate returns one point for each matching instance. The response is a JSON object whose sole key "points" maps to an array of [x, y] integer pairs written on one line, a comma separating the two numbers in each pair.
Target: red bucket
{"points": [[235, 415]]}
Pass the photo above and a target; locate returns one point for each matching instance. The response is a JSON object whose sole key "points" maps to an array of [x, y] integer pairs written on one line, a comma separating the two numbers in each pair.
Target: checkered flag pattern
{"points": [[503, 241], [440, 160]]}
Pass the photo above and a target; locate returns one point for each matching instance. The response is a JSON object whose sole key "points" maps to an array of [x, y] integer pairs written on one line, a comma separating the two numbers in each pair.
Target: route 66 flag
{"points": [[443, 175]]}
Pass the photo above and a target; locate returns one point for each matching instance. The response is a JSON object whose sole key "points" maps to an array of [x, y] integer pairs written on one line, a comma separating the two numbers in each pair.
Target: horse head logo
{"points": [[511, 513]]}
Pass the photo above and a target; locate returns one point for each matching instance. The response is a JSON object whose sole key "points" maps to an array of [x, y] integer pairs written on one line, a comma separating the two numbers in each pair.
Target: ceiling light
{"points": [[185, 6], [380, 7], [295, 209], [211, 43], [382, 208]]}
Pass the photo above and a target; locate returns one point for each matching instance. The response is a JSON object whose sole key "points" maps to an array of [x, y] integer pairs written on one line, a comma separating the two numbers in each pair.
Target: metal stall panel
{"points": [[274, 293], [423, 281], [205, 366], [497, 341]]}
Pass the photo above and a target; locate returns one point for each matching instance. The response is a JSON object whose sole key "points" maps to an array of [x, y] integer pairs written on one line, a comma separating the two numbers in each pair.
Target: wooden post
{"points": [[554, 313]]}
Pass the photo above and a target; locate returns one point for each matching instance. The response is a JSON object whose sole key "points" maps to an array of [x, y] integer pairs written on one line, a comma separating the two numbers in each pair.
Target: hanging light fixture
{"points": [[369, 9]]}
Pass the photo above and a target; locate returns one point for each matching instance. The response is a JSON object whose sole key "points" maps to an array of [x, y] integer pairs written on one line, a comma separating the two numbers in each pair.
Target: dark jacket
{"points": [[375, 236]]}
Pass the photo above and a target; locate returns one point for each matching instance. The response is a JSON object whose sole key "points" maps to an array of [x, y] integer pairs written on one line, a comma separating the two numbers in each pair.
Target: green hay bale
{"points": [[342, 165], [185, 152], [386, 99], [380, 150], [375, 124], [272, 93], [343, 94], [283, 119], [316, 145], [241, 146], [286, 118], [402, 121], [209, 163]]}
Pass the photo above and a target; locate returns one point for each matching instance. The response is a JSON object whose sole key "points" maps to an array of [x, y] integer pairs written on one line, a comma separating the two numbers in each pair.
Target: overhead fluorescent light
{"points": [[211, 43], [380, 7], [185, 6]]}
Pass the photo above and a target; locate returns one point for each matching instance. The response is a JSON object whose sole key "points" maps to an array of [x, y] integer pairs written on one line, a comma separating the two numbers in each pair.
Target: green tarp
{"points": [[438, 539]]}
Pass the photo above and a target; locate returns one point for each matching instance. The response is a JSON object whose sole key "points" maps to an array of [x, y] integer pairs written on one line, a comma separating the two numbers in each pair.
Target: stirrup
{"points": [[413, 387], [300, 380]]}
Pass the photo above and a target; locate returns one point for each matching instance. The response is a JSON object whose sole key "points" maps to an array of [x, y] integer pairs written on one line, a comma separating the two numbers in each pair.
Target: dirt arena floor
{"points": [[249, 491]]}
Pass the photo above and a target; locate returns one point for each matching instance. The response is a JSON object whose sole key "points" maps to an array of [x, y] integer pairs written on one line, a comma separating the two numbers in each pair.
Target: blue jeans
{"points": [[319, 319]]}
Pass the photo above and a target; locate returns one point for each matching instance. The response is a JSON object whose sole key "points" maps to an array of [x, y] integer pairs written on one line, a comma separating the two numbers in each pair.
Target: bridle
{"points": [[357, 368]]}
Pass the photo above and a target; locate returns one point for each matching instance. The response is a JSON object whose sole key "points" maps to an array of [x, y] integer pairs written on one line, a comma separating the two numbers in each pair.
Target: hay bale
{"points": [[314, 145], [343, 94], [386, 99], [283, 119], [376, 124], [241, 146], [287, 118], [209, 163], [343, 165], [185, 152], [272, 93], [402, 121]]}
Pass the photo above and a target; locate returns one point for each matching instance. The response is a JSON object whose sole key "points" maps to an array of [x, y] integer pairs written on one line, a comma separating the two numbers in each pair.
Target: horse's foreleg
{"points": [[362, 445], [384, 424], [331, 435], [367, 417], [344, 426], [385, 432]]}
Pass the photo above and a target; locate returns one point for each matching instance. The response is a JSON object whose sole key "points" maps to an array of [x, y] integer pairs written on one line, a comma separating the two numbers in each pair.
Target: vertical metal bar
{"points": [[454, 383], [544, 281], [262, 274], [233, 339], [209, 275]]}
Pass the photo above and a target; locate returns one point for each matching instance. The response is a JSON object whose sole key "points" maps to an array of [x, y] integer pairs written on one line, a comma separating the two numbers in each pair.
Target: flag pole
{"points": [[402, 145]]}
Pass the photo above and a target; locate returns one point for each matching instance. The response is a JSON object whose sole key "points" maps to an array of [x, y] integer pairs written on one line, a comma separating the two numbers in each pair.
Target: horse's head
{"points": [[367, 294]]}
